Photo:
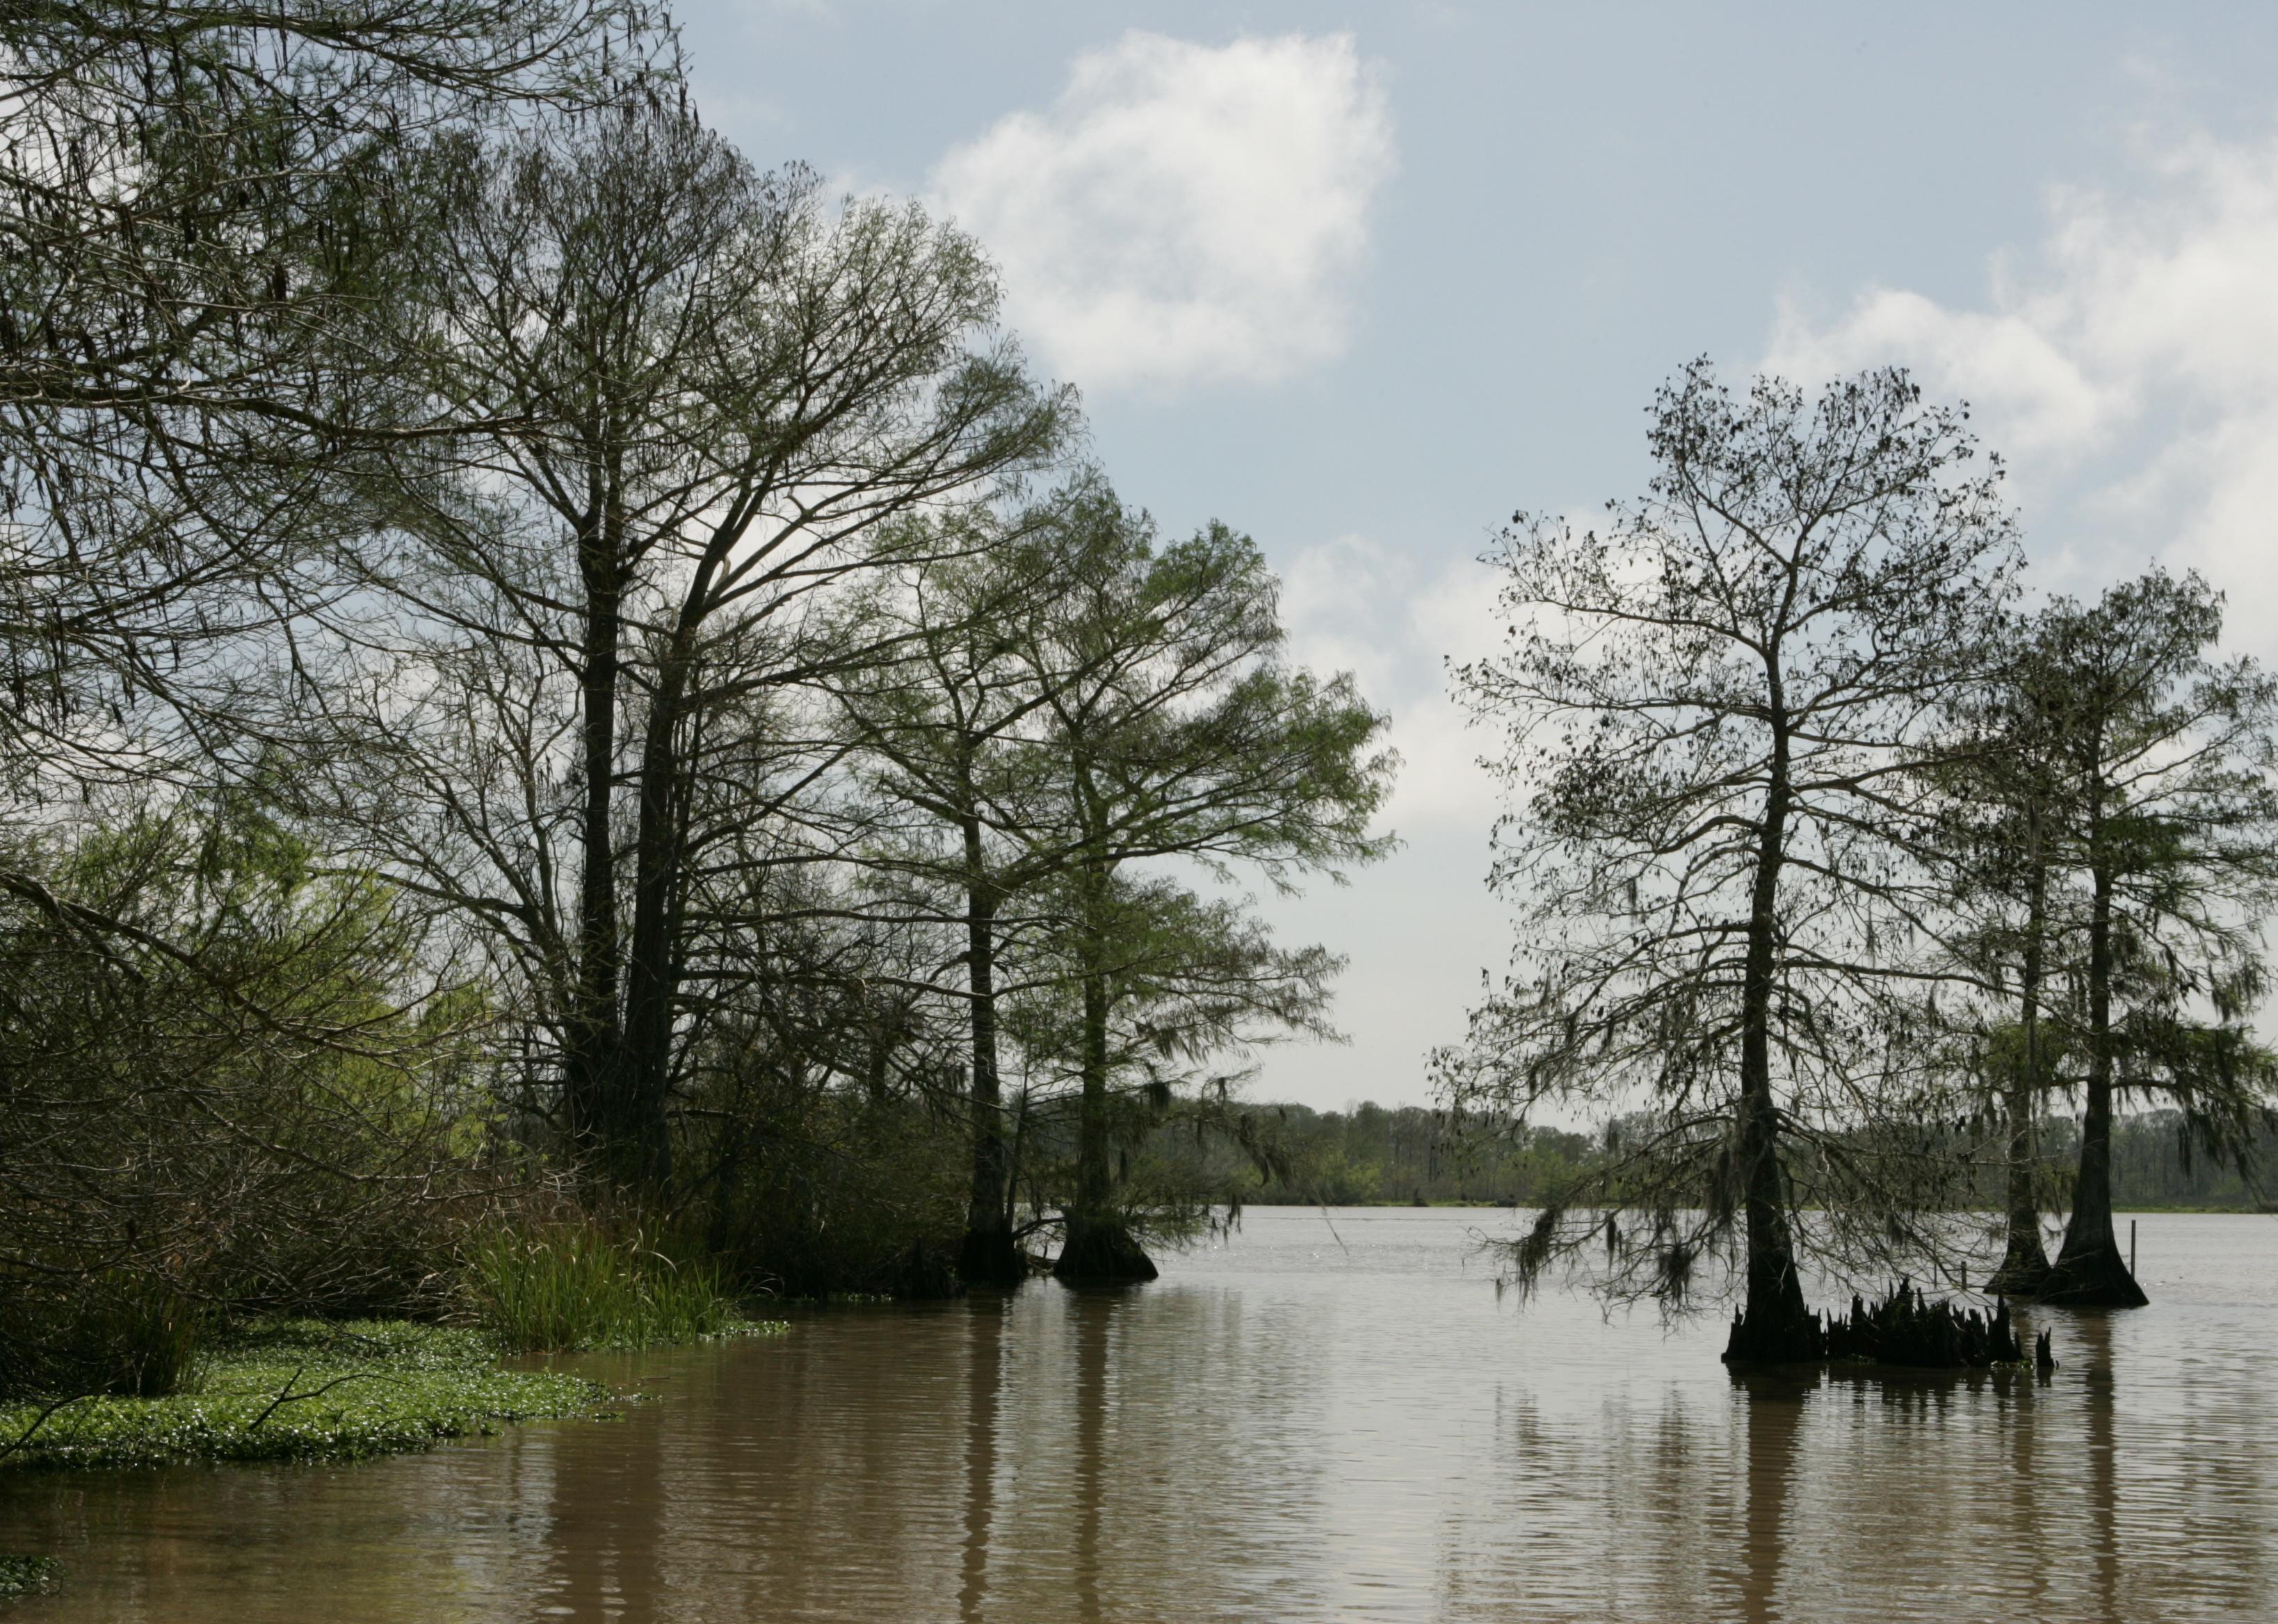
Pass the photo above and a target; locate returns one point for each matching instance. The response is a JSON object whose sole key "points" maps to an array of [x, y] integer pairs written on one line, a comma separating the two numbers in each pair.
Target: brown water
{"points": [[1307, 1423]]}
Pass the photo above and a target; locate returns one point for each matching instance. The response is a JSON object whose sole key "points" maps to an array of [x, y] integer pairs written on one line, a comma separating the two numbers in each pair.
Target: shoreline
{"points": [[309, 1390]]}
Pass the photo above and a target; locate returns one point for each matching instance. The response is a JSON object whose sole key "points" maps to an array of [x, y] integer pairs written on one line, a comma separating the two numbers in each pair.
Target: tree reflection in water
{"points": [[984, 1386], [1283, 1429], [1093, 1310], [2091, 1336], [1774, 1413]]}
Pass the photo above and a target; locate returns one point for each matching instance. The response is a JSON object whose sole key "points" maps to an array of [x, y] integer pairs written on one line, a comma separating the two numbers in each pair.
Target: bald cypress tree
{"points": [[1176, 731], [1717, 709], [2163, 827], [2001, 783]]}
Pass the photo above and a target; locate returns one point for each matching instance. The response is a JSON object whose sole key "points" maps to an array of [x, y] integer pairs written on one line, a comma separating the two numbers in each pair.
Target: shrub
{"points": [[117, 1332], [820, 1194]]}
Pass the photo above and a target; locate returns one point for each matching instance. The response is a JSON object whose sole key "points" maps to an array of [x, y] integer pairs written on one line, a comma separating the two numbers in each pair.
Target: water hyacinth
{"points": [[28, 1576], [302, 1389]]}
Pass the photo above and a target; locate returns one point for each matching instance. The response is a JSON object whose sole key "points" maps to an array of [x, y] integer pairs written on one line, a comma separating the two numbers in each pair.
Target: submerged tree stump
{"points": [[1789, 1335], [1905, 1329]]}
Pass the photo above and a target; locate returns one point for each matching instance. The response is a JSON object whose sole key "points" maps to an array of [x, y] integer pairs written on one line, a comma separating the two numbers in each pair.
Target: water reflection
{"points": [[1292, 1428], [1774, 1420], [1091, 1311], [984, 1379], [2091, 1331]]}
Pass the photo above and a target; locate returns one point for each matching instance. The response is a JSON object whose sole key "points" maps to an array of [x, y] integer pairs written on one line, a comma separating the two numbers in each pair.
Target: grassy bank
{"points": [[304, 1390]]}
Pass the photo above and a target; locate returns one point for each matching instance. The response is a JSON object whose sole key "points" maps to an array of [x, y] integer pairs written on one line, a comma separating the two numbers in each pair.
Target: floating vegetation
{"points": [[28, 1575], [301, 1390]]}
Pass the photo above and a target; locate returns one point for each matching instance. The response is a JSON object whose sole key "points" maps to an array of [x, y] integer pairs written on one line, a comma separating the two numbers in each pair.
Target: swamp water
{"points": [[1325, 1419]]}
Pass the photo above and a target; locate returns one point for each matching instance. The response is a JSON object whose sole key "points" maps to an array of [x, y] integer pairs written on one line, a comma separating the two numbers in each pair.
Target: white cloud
{"points": [[1351, 605], [2130, 372], [1184, 212], [1419, 928], [2009, 363]]}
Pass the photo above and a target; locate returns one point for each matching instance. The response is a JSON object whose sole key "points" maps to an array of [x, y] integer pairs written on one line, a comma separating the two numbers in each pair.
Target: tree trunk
{"points": [[643, 1154], [593, 1036], [1094, 1192], [1774, 1326], [1099, 1246], [2090, 1271], [989, 1255], [2024, 1270]]}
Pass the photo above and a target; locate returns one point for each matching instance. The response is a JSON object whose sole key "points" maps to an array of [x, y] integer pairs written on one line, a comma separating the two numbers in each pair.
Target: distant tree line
{"points": [[1408, 1155]]}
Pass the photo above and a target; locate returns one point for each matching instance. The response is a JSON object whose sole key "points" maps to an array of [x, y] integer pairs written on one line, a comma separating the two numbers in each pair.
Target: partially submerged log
{"points": [[1906, 1328]]}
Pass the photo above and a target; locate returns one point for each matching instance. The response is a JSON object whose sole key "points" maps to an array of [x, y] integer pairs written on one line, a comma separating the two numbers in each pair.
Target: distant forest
{"points": [[1375, 1155]]}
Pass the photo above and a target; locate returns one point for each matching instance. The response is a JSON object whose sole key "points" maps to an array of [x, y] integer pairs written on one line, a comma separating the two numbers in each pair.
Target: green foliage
{"points": [[819, 1193], [215, 1084], [572, 1285], [301, 1390], [28, 1575], [1343, 1182], [118, 1332]]}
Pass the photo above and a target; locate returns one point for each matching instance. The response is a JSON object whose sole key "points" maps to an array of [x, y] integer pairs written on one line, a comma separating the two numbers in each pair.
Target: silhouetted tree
{"points": [[1718, 708], [2163, 820], [206, 212], [951, 730], [1999, 786], [700, 401]]}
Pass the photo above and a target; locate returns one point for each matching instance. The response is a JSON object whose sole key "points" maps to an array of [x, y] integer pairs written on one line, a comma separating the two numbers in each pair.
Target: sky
{"points": [[1363, 280]]}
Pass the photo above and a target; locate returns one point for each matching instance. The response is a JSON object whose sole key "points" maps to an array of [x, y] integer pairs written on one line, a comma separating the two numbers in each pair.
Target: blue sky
{"points": [[1361, 280]]}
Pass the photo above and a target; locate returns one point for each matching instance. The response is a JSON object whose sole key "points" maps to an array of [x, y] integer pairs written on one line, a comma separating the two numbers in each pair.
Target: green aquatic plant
{"points": [[28, 1576], [570, 1285], [301, 1390]]}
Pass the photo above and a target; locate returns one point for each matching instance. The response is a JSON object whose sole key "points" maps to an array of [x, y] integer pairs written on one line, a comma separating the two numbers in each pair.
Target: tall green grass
{"points": [[569, 1286]]}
